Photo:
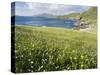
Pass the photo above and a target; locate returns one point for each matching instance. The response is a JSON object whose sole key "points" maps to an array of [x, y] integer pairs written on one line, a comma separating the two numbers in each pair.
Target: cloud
{"points": [[21, 5], [29, 9]]}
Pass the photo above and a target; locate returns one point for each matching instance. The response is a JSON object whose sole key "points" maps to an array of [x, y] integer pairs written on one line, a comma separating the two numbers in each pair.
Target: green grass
{"points": [[53, 49]]}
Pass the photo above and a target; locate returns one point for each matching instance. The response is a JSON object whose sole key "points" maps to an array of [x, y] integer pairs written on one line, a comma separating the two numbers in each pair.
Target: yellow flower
{"points": [[33, 45], [82, 65]]}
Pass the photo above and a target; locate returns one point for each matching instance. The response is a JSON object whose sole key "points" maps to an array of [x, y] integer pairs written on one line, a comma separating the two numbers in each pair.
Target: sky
{"points": [[31, 9]]}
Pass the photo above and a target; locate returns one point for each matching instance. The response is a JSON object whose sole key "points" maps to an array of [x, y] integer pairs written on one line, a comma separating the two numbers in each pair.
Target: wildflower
{"points": [[53, 63], [16, 51], [57, 67], [33, 45], [16, 57], [31, 62], [68, 68], [32, 71], [41, 66], [82, 56], [29, 59], [82, 65], [22, 56], [29, 70], [31, 66], [30, 53]]}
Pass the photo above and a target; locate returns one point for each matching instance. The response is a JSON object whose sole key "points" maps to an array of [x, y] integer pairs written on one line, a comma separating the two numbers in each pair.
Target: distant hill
{"points": [[90, 15], [70, 16], [45, 15]]}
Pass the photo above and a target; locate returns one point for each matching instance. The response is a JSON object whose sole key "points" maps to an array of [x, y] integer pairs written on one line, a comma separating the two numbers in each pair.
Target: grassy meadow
{"points": [[40, 49]]}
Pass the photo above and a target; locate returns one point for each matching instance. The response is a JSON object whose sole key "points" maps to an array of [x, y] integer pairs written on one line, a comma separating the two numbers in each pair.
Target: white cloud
{"points": [[55, 9]]}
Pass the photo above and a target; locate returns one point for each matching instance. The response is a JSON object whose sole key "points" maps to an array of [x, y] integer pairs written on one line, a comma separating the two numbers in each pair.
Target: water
{"points": [[44, 21]]}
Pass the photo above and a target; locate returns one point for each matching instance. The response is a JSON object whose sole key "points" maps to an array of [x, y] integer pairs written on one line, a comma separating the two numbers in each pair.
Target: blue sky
{"points": [[31, 9]]}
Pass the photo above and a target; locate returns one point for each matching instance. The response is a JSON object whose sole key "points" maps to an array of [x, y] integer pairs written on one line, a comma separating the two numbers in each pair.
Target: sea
{"points": [[43, 21]]}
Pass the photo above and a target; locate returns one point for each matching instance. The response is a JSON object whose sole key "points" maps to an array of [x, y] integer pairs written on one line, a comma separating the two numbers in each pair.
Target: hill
{"points": [[70, 16], [90, 15]]}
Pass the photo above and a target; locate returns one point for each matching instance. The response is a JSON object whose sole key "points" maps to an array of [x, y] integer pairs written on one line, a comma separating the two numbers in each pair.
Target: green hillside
{"points": [[71, 16], [90, 15]]}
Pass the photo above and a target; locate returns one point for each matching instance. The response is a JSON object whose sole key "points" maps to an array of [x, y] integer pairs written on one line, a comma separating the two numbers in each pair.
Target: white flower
{"points": [[22, 56], [57, 67], [30, 53], [29, 59], [41, 66], [32, 71], [31, 62], [16, 57], [31, 66], [29, 70], [16, 51]]}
